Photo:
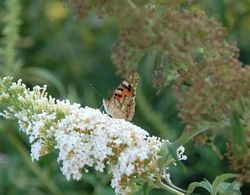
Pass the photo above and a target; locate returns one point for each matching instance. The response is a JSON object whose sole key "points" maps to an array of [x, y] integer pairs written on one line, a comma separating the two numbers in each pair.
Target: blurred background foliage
{"points": [[70, 55]]}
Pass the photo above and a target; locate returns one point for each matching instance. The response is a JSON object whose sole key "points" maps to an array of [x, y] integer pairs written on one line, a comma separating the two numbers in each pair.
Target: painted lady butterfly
{"points": [[122, 102]]}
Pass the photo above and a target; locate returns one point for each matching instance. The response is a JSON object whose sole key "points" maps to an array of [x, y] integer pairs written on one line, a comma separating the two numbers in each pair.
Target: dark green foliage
{"points": [[219, 186]]}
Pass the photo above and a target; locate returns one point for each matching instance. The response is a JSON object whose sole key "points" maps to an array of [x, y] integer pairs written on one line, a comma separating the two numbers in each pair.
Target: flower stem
{"points": [[131, 3], [186, 136], [168, 188]]}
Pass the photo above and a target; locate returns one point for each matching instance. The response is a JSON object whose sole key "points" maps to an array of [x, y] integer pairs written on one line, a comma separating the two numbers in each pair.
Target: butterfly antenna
{"points": [[98, 93]]}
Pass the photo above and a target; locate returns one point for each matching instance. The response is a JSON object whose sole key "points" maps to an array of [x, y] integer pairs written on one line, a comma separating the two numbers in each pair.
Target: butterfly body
{"points": [[122, 102]]}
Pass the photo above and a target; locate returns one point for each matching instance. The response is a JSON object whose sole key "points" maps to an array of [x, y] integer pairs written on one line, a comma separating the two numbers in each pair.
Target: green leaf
{"points": [[203, 184], [145, 189], [219, 180], [234, 186], [136, 185], [164, 153], [150, 59], [172, 151], [35, 74], [237, 130], [226, 188], [223, 187]]}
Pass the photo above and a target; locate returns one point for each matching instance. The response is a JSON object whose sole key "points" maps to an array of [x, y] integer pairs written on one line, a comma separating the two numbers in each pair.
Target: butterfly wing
{"points": [[122, 102]]}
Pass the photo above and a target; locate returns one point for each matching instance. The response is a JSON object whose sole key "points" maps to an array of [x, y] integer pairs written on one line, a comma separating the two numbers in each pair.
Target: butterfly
{"points": [[121, 104]]}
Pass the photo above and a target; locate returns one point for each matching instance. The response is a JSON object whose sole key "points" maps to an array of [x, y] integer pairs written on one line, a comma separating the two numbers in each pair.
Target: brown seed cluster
{"points": [[208, 91], [239, 163]]}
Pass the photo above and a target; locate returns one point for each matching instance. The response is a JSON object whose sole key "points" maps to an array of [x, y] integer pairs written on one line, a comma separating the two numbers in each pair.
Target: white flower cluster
{"points": [[180, 153], [36, 114], [87, 138], [84, 137]]}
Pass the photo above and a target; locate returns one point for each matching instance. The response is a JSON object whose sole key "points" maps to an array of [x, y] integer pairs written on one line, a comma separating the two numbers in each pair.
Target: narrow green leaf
{"points": [[151, 59], [223, 187], [219, 179], [145, 189], [203, 184], [237, 130], [35, 74], [164, 153], [229, 188], [234, 186]]}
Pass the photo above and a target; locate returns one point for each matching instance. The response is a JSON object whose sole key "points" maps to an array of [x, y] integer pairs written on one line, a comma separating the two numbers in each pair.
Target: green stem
{"points": [[146, 189], [161, 185], [33, 166], [131, 3], [216, 150], [186, 137], [168, 188]]}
